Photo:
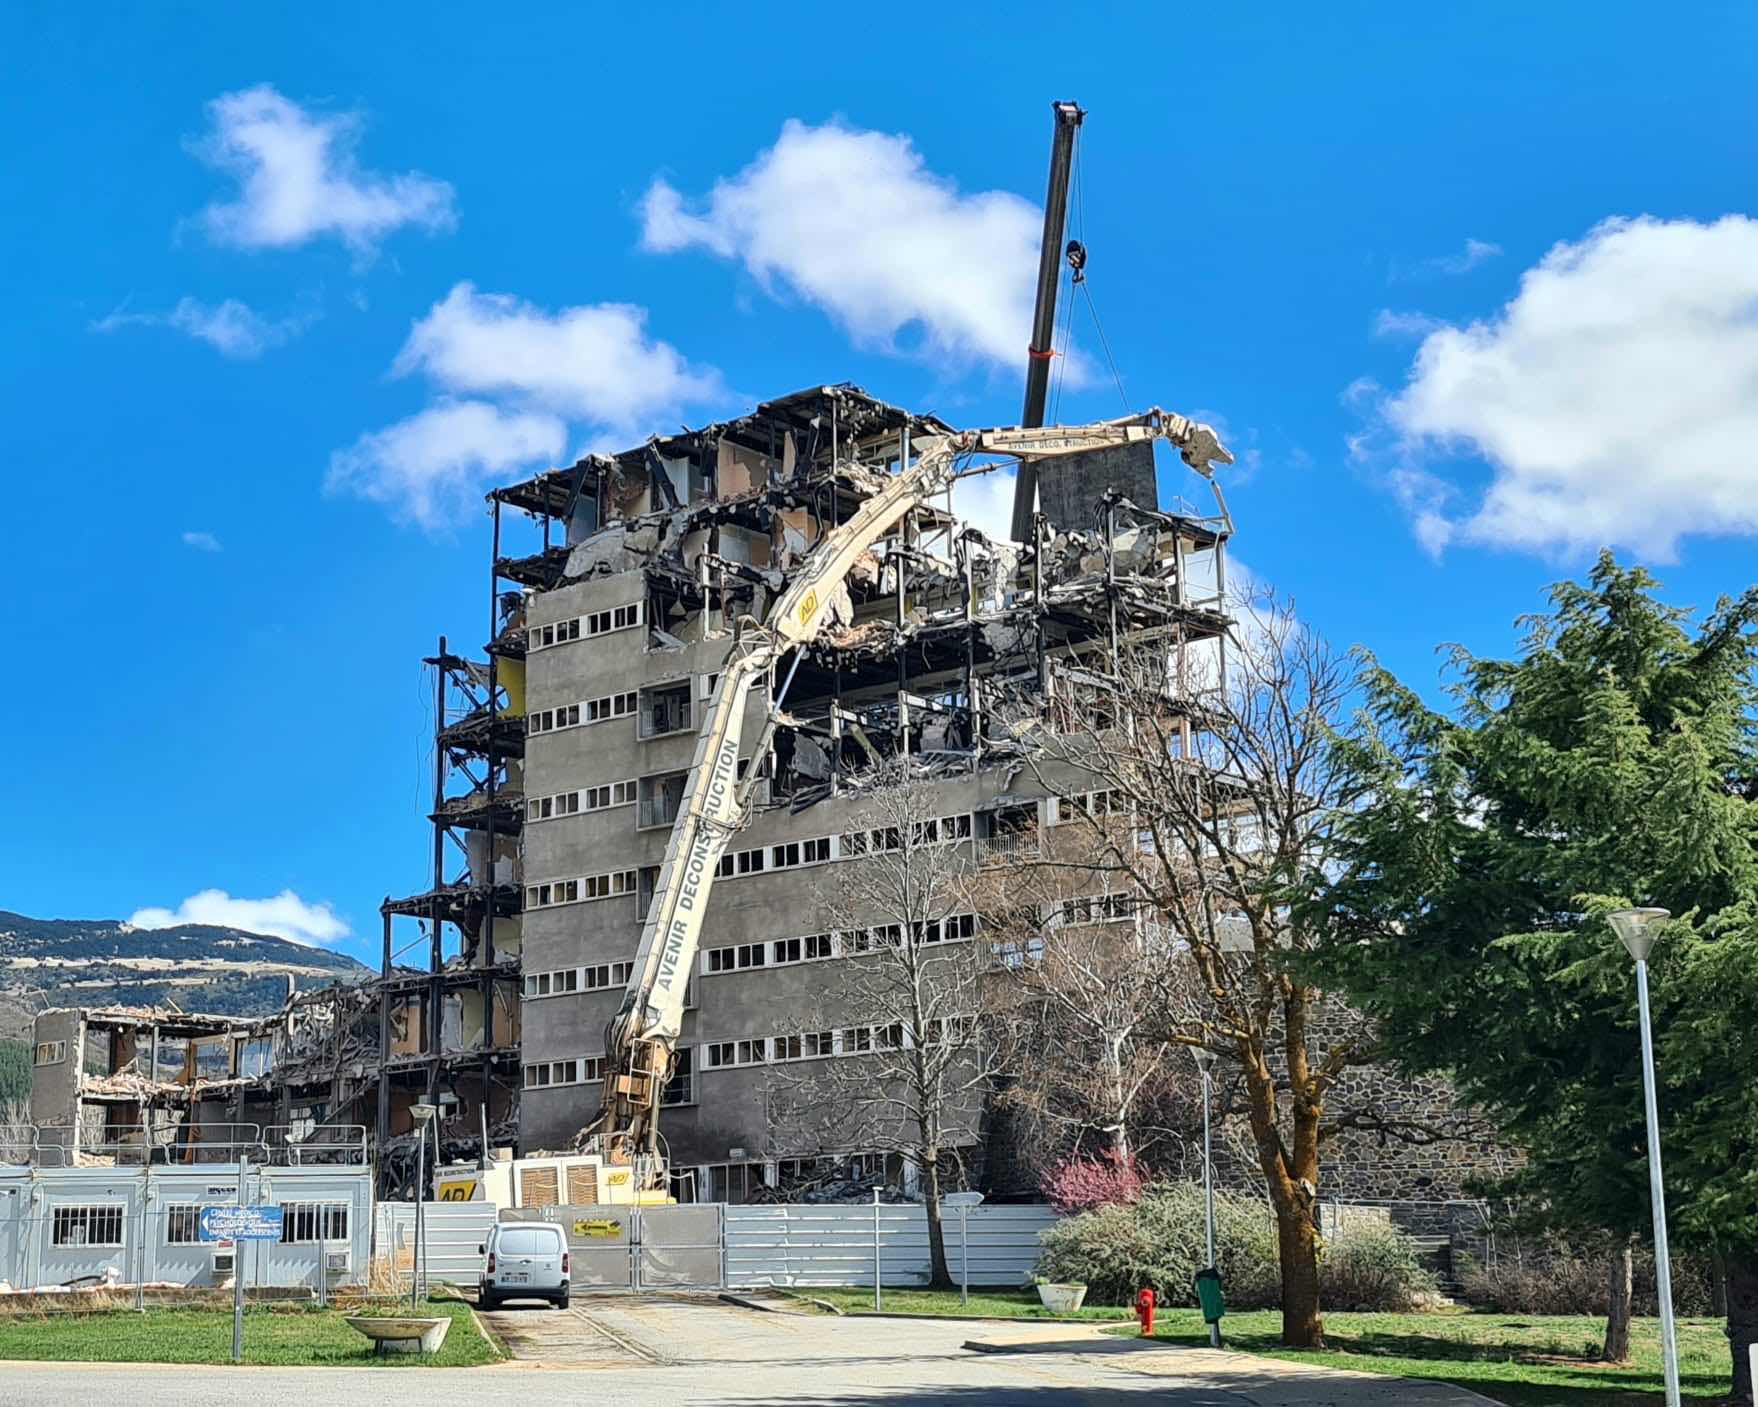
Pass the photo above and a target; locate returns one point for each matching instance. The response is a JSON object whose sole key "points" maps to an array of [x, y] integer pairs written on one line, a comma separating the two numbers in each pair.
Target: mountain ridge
{"points": [[48, 962]]}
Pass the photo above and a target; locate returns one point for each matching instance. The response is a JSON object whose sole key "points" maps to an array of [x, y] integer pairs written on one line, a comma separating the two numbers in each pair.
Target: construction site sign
{"points": [[608, 1227], [457, 1189], [235, 1223]]}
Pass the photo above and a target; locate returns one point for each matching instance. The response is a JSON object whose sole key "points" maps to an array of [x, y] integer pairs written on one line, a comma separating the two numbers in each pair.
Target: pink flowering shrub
{"points": [[1080, 1184]]}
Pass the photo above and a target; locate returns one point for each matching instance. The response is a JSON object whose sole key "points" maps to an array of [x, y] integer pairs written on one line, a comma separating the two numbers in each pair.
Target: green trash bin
{"points": [[1208, 1295]]}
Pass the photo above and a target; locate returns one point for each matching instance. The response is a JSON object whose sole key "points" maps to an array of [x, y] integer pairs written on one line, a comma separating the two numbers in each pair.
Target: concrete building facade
{"points": [[941, 658]]}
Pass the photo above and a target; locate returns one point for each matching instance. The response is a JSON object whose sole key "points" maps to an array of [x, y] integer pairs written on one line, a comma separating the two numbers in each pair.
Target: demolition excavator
{"points": [[624, 1140]]}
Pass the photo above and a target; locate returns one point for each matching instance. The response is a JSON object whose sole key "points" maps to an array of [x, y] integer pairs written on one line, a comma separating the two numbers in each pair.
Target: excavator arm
{"points": [[641, 1037]]}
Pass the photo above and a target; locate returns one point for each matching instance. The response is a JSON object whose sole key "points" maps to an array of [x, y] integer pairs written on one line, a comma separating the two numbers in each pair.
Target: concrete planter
{"points": [[1062, 1299], [397, 1334]]}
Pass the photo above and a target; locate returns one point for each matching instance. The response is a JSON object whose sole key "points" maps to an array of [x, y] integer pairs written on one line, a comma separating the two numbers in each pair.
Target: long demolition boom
{"points": [[642, 1036]]}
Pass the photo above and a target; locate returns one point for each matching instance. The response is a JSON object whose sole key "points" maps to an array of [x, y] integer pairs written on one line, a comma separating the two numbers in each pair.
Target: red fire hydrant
{"points": [[1144, 1311]]}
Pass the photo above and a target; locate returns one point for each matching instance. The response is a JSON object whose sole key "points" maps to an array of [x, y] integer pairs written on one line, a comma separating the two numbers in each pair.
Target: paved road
{"points": [[660, 1353]]}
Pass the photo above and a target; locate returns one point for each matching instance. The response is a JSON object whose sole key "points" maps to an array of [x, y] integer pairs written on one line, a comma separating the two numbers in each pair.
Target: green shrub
{"points": [[1371, 1265], [1158, 1243]]}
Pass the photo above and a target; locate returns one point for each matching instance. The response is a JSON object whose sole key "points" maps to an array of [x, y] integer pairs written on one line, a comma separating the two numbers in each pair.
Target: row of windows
{"points": [[582, 714], [1094, 908], [545, 1074], [852, 845], [822, 1045], [844, 942], [585, 627], [302, 1224], [579, 891], [572, 803], [589, 1069], [563, 980]]}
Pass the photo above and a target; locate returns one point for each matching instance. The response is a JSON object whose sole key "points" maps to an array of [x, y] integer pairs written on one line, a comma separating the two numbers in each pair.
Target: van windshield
{"points": [[529, 1240]]}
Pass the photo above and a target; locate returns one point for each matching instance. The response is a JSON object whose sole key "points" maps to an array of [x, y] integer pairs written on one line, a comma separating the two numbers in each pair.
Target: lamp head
{"points": [[421, 1113], [1204, 1057], [1637, 929]]}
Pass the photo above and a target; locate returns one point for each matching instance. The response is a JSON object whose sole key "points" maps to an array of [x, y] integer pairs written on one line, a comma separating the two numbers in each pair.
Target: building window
{"points": [[681, 1087], [307, 1223], [87, 1226], [183, 1224], [665, 709], [51, 1052]]}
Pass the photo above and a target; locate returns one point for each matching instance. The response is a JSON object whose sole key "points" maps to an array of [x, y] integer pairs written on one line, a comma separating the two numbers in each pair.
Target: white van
{"points": [[527, 1260]]}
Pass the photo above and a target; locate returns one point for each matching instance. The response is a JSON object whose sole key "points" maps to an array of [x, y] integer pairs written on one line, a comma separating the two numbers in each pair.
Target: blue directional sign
{"points": [[234, 1223]]}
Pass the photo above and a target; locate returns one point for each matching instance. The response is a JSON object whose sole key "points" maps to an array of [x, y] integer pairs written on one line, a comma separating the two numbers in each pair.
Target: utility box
{"points": [[1208, 1295]]}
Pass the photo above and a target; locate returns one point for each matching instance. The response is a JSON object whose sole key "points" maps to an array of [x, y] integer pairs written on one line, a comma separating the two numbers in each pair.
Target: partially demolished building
{"points": [[943, 656]]}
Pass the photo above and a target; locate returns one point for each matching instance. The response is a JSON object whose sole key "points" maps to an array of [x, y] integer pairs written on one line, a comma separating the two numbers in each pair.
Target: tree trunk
{"points": [[1617, 1319], [1293, 1191], [1303, 1325], [939, 1278], [1742, 1320]]}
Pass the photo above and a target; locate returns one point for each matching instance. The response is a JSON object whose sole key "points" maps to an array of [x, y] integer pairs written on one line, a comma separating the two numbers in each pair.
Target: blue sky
{"points": [[287, 288]]}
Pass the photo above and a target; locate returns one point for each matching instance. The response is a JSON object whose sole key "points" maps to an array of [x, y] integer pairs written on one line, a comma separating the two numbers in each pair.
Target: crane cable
{"points": [[1077, 259]]}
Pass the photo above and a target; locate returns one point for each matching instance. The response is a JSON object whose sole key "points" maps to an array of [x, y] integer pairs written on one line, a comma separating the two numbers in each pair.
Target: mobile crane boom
{"points": [[641, 1038]]}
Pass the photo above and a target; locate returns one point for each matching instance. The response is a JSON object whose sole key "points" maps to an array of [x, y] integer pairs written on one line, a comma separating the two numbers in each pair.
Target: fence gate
{"points": [[681, 1247], [638, 1248]]}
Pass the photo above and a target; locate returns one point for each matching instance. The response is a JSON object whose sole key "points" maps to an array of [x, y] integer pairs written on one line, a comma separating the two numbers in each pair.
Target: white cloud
{"points": [[202, 542], [854, 222], [592, 363], [232, 328], [1612, 398], [429, 467], [1475, 252], [985, 502], [299, 180], [512, 379], [1390, 323], [285, 915]]}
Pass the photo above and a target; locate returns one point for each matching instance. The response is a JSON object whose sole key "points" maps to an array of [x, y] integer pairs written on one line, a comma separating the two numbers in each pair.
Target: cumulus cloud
{"points": [[231, 328], [284, 915], [428, 468], [201, 542], [1612, 398], [593, 363], [511, 380], [985, 502], [854, 222], [299, 179]]}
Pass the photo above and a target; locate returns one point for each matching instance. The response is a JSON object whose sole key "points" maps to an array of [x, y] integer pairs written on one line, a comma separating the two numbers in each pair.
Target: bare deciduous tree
{"points": [[1078, 1006], [1219, 821], [909, 1057]]}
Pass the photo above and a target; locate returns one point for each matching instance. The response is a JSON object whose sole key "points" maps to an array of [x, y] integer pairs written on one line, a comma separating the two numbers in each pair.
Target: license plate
{"points": [[518, 1278]]}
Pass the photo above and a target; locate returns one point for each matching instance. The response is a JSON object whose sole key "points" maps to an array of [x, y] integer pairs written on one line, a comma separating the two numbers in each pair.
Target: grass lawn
{"points": [[1003, 1304], [1522, 1360], [281, 1334]]}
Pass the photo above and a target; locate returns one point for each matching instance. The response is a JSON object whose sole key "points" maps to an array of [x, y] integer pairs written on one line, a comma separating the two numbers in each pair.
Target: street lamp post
{"points": [[421, 1113], [1205, 1062], [1637, 930]]}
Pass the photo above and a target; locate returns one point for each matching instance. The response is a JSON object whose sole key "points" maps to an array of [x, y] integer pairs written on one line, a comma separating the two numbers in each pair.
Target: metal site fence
{"points": [[709, 1245]]}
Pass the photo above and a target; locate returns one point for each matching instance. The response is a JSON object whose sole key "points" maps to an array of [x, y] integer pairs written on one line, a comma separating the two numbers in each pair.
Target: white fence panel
{"points": [[451, 1232], [834, 1245]]}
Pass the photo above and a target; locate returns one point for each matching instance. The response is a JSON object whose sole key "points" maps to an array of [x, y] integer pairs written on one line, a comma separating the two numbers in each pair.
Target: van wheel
{"points": [[484, 1300], [561, 1301]]}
